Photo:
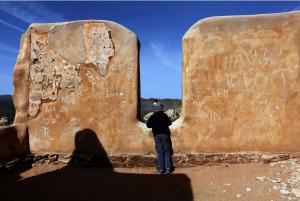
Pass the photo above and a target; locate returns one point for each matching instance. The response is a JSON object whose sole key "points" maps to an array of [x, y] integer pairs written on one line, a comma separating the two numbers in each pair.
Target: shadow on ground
{"points": [[94, 182]]}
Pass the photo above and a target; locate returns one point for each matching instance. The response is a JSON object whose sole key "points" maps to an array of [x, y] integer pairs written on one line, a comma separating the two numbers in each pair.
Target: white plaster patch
{"points": [[99, 45]]}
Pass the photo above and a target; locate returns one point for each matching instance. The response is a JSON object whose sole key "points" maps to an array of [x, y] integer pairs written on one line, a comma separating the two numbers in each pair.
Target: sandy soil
{"points": [[244, 182]]}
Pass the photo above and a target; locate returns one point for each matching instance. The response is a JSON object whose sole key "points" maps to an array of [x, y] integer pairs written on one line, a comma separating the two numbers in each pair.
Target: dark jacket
{"points": [[159, 122]]}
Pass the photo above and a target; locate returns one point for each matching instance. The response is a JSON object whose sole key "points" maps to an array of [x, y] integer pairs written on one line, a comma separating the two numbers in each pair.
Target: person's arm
{"points": [[149, 123], [169, 122], [167, 119]]}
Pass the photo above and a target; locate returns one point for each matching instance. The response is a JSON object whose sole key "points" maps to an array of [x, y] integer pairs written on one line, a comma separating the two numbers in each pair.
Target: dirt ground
{"points": [[224, 182]]}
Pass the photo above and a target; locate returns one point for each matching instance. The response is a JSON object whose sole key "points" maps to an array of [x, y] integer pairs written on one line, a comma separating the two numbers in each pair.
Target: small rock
{"points": [[275, 181], [267, 158], [261, 178], [248, 189], [296, 192], [284, 192], [63, 160], [284, 185], [238, 195], [53, 158]]}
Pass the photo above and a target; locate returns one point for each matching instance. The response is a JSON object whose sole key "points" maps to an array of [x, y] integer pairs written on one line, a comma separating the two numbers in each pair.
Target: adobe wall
{"points": [[241, 88], [78, 77], [241, 84]]}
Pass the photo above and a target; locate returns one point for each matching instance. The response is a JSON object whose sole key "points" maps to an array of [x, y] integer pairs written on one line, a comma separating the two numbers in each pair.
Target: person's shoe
{"points": [[159, 171], [169, 170]]}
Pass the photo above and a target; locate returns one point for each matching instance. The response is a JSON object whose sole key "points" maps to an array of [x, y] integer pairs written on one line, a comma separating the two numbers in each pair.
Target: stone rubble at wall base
{"points": [[242, 94], [288, 188], [179, 160]]}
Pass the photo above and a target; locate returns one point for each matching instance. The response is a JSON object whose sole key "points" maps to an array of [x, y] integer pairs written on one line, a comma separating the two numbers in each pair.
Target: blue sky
{"points": [[159, 26]]}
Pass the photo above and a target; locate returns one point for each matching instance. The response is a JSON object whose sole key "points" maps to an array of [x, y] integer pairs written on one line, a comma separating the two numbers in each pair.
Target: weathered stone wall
{"points": [[241, 84], [77, 90], [13, 141], [79, 77]]}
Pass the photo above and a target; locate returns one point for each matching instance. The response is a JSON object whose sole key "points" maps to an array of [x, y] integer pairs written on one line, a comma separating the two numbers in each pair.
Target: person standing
{"points": [[160, 122]]}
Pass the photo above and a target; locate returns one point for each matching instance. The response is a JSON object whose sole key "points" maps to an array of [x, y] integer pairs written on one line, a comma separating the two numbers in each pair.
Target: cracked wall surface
{"points": [[49, 72]]}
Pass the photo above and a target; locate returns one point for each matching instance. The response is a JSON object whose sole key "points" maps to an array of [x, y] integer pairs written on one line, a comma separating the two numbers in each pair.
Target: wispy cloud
{"points": [[289, 8], [9, 49], [296, 8], [12, 26], [165, 56], [31, 12]]}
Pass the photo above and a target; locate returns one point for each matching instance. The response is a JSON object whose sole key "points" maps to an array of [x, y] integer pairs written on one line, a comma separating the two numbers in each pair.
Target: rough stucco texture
{"points": [[82, 76], [241, 84]]}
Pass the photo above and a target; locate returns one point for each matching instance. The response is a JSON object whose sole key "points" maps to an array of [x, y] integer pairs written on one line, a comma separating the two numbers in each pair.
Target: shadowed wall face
{"points": [[241, 84]]}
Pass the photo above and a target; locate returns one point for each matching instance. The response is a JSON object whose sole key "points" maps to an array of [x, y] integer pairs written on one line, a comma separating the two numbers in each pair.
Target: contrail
{"points": [[12, 26]]}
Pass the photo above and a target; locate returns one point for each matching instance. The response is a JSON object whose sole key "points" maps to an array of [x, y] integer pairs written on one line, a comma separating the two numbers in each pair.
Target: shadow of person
{"points": [[89, 151], [76, 183]]}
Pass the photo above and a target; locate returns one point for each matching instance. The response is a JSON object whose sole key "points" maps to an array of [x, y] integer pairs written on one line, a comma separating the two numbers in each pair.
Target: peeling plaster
{"points": [[99, 45], [49, 72]]}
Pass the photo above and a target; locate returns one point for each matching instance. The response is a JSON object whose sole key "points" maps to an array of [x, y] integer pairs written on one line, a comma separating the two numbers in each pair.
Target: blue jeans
{"points": [[163, 149]]}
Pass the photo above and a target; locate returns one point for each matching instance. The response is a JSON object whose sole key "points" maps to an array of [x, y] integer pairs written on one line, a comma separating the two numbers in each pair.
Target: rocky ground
{"points": [[224, 182]]}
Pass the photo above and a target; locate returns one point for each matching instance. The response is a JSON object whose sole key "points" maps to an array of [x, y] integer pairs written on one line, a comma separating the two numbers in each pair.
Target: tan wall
{"points": [[13, 141], [76, 77], [240, 86]]}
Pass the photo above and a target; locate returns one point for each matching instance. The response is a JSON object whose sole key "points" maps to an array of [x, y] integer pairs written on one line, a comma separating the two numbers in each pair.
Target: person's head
{"points": [[155, 101], [157, 107]]}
